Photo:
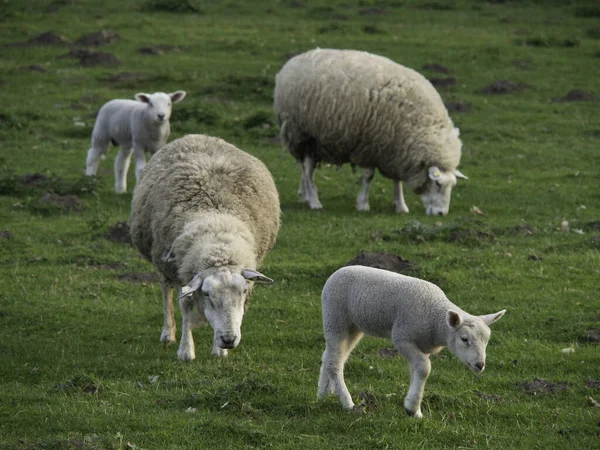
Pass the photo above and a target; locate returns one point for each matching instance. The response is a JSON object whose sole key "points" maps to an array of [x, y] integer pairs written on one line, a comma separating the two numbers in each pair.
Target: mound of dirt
{"points": [[539, 386], [89, 59], [388, 352], [437, 68], [380, 260], [140, 277], [101, 37], [522, 64], [33, 178], [67, 203], [125, 77], [5, 234], [34, 68], [592, 336], [375, 11], [48, 38], [504, 87], [575, 95], [155, 50], [443, 82], [119, 233], [458, 107]]}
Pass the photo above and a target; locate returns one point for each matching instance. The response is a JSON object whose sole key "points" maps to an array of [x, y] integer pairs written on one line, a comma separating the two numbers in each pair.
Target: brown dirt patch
{"points": [[380, 260], [48, 38], [375, 11], [76, 53], [140, 277], [504, 87], [5, 234], [539, 386], [33, 178], [437, 68], [67, 203], [34, 68], [592, 384], [489, 397], [119, 233], [125, 77], [389, 352], [458, 107], [90, 59], [575, 95], [101, 37], [443, 82], [592, 336]]}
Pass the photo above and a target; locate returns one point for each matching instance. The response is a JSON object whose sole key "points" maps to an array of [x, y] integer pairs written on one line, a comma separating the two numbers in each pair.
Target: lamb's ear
{"points": [[459, 174], [253, 275], [141, 97], [192, 286], [435, 173], [491, 318], [177, 96], [453, 318]]}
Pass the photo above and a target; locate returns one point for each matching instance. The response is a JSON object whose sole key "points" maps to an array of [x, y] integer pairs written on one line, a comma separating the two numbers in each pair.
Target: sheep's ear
{"points": [[459, 174], [177, 96], [253, 275], [491, 318], [453, 318], [192, 286], [435, 173], [141, 97]]}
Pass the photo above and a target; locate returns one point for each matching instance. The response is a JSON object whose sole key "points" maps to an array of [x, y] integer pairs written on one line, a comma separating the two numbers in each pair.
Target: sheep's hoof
{"points": [[167, 339], [186, 355], [315, 205], [416, 415]]}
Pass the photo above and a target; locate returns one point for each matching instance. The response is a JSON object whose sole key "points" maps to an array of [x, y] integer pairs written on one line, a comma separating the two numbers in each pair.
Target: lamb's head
{"points": [[436, 192], [468, 337], [159, 104], [221, 293]]}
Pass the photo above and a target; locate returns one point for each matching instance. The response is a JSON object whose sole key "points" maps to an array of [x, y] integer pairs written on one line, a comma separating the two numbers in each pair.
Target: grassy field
{"points": [[80, 314]]}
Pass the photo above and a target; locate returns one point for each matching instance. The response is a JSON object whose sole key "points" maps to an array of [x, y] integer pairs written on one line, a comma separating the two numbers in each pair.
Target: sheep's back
{"points": [[197, 174]]}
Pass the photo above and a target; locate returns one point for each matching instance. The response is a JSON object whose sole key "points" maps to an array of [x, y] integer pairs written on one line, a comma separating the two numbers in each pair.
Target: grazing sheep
{"points": [[205, 214], [139, 126], [415, 314], [346, 106]]}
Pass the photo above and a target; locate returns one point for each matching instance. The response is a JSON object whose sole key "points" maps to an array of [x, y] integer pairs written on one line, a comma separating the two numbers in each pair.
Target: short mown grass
{"points": [[80, 311]]}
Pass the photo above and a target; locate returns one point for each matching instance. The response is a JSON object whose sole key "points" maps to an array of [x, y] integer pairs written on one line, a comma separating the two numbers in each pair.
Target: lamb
{"points": [[346, 106], [205, 214], [415, 314], [140, 126]]}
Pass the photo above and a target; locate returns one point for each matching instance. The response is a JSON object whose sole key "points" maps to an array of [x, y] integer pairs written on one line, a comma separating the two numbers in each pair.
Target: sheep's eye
{"points": [[465, 340]]}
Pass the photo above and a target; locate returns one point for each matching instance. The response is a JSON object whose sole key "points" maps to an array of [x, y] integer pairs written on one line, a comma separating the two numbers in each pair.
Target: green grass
{"points": [[82, 366]]}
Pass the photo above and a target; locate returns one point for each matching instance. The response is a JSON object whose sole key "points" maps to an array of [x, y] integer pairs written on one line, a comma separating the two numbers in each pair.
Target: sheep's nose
{"points": [[480, 366], [161, 116], [227, 342], [441, 213]]}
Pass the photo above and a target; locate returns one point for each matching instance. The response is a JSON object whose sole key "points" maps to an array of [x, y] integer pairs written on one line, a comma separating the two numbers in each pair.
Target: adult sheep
{"points": [[138, 126], [205, 214], [346, 106]]}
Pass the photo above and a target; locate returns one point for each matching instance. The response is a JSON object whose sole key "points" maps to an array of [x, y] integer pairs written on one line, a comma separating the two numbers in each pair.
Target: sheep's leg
{"points": [[168, 331], [186, 351], [95, 153], [310, 190], [302, 188], [399, 203], [420, 366], [140, 160], [362, 200], [121, 167]]}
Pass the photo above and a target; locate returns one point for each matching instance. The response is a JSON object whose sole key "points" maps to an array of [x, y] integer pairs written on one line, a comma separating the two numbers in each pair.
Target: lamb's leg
{"points": [[121, 167], [95, 153], [420, 366], [310, 190], [168, 331], [140, 160], [399, 203], [186, 351], [362, 200]]}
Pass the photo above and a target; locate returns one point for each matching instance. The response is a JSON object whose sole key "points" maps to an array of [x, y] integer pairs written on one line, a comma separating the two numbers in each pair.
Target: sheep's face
{"points": [[159, 104], [469, 336], [438, 188]]}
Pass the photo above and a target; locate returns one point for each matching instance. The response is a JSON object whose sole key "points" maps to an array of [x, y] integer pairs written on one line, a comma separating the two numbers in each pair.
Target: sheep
{"points": [[140, 125], [205, 214], [346, 106], [415, 314]]}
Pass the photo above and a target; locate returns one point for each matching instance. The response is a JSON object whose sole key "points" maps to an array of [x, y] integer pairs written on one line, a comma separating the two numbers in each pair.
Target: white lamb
{"points": [[205, 214], [140, 126], [346, 106], [415, 314]]}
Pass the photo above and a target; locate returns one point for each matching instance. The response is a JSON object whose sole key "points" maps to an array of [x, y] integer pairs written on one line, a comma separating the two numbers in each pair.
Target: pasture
{"points": [[80, 310]]}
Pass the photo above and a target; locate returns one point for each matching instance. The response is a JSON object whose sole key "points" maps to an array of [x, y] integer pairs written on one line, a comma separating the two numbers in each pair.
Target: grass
{"points": [[81, 363]]}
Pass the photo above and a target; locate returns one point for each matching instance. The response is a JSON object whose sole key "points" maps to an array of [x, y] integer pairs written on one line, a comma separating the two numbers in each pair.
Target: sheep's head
{"points": [[437, 190], [221, 294], [159, 104], [468, 337]]}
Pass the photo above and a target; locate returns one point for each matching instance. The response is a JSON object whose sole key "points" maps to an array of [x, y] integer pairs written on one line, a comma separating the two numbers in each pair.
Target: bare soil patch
{"points": [[375, 11], [90, 59], [592, 336], [102, 37], [34, 68], [156, 50], [437, 68], [119, 233], [66, 203], [125, 77], [380, 260], [388, 352], [592, 384], [33, 178], [539, 386], [443, 82], [504, 87], [140, 277], [458, 107], [48, 38], [5, 234], [575, 95]]}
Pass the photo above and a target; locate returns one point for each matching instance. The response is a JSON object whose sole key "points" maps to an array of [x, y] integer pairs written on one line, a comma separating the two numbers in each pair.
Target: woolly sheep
{"points": [[415, 314], [205, 214], [346, 106], [140, 125]]}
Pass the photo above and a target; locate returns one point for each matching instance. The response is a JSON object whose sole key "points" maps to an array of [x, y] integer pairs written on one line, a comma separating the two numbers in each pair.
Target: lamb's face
{"points": [[438, 189], [469, 337], [224, 297], [159, 104]]}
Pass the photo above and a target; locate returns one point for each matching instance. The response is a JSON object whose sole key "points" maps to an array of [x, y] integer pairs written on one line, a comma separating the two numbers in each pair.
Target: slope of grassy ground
{"points": [[80, 312]]}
